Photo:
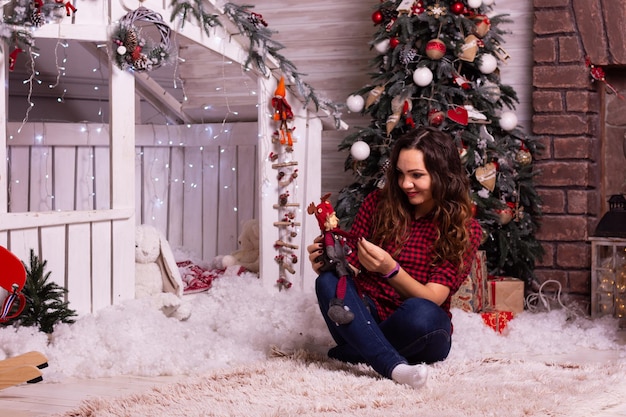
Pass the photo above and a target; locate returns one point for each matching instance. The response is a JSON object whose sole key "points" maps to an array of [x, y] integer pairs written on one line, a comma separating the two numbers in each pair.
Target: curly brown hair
{"points": [[450, 191]]}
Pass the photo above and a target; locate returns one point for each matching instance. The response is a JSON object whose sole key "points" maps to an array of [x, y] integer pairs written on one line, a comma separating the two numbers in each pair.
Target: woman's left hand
{"points": [[374, 258]]}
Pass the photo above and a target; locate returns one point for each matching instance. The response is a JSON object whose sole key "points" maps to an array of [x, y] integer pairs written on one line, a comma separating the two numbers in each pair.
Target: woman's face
{"points": [[415, 181]]}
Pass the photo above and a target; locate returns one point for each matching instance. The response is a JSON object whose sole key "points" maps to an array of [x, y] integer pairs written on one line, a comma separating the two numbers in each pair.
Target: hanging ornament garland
{"points": [[134, 52]]}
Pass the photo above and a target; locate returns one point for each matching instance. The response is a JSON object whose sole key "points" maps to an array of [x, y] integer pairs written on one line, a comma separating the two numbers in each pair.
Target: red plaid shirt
{"points": [[415, 258]]}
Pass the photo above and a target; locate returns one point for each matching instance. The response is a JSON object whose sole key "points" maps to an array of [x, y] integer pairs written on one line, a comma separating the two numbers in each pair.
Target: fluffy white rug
{"points": [[306, 384]]}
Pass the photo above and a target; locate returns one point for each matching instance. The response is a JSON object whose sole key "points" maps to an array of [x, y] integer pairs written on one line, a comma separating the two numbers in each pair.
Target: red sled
{"points": [[12, 280]]}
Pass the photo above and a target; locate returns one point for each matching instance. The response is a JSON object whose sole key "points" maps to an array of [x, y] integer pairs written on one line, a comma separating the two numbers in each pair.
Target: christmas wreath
{"points": [[134, 52]]}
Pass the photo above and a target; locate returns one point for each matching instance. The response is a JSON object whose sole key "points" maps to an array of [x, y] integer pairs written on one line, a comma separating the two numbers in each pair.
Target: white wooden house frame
{"points": [[90, 250]]}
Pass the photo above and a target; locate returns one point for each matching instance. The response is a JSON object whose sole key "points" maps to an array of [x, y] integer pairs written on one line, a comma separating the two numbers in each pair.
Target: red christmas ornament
{"points": [[377, 17], [597, 74], [435, 49], [393, 42], [436, 117], [418, 8], [457, 7]]}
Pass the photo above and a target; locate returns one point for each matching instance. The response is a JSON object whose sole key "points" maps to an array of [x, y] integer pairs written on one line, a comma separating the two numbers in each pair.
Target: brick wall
{"points": [[567, 116]]}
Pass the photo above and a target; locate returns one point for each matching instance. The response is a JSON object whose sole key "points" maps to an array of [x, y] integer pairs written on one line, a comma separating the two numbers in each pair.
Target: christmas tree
{"points": [[437, 65]]}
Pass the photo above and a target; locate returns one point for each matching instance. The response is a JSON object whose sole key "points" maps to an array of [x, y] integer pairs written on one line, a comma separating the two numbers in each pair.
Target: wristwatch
{"points": [[393, 272]]}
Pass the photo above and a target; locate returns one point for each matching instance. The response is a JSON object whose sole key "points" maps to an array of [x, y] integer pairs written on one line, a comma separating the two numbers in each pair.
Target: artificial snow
{"points": [[239, 320]]}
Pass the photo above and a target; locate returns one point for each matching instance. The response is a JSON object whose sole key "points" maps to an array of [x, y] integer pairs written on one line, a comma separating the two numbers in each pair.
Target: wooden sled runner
{"points": [[24, 368]]}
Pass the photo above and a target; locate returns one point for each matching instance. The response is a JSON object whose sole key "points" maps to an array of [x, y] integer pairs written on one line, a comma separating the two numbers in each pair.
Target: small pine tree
{"points": [[437, 66], [45, 306]]}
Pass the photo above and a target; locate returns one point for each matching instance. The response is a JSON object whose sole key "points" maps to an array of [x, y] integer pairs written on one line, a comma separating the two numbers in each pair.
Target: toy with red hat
{"points": [[334, 256], [12, 280]]}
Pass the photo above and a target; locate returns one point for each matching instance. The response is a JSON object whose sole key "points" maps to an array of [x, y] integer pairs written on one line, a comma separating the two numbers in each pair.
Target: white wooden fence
{"points": [[195, 183]]}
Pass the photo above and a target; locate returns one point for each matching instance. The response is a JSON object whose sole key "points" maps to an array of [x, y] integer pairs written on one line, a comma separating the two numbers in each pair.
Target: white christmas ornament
{"points": [[488, 63], [422, 76], [355, 103], [121, 50], [382, 46], [360, 150], [474, 4], [508, 120]]}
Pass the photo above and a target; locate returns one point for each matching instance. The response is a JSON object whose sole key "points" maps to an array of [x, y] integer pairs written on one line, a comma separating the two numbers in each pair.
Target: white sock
{"points": [[413, 375]]}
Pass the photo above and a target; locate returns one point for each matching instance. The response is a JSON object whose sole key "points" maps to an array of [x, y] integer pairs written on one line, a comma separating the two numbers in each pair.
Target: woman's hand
{"points": [[315, 254], [374, 258]]}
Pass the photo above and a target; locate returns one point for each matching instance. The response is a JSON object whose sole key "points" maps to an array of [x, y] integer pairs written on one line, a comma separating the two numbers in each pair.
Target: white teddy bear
{"points": [[248, 253], [156, 273]]}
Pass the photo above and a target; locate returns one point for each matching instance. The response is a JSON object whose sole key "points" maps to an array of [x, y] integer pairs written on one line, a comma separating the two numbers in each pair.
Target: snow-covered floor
{"points": [[239, 320]]}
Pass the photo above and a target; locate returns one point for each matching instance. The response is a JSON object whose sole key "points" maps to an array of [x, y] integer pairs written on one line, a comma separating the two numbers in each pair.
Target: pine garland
{"points": [[261, 45]]}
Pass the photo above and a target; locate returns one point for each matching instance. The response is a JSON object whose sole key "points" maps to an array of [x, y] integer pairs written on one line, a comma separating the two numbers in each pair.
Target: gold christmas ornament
{"points": [[524, 157]]}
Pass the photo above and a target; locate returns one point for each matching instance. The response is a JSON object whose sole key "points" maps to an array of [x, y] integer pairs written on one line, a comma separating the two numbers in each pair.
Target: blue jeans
{"points": [[417, 332]]}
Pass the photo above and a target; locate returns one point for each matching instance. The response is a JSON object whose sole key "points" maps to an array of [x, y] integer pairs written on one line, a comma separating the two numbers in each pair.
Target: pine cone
{"points": [[131, 42], [141, 63], [36, 18]]}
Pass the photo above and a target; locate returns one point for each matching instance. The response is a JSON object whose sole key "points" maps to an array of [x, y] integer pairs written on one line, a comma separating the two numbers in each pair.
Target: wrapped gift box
{"points": [[505, 294], [497, 320], [471, 295]]}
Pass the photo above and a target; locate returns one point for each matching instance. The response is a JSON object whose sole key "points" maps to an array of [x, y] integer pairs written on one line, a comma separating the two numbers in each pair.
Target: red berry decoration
{"points": [[377, 17], [393, 42], [457, 7]]}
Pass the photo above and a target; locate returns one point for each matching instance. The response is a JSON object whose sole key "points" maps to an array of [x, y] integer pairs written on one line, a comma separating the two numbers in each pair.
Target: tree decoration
{"points": [[134, 52], [486, 175], [457, 7], [436, 10], [422, 76], [487, 63], [435, 117], [69, 7], [355, 103], [508, 120], [377, 17], [262, 45], [435, 49], [523, 156], [382, 46], [469, 49], [483, 24], [360, 150], [374, 95]]}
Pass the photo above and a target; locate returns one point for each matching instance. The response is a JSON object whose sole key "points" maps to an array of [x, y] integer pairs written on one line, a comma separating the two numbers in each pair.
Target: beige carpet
{"points": [[305, 384]]}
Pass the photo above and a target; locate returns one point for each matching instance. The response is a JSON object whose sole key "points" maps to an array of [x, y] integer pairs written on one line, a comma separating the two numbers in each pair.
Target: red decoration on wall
{"points": [[597, 74]]}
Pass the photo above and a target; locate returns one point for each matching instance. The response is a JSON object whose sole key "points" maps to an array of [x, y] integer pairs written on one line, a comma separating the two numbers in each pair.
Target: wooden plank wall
{"points": [[196, 183]]}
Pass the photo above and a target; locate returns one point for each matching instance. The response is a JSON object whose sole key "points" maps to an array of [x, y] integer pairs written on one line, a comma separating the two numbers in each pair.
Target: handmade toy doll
{"points": [[334, 256]]}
